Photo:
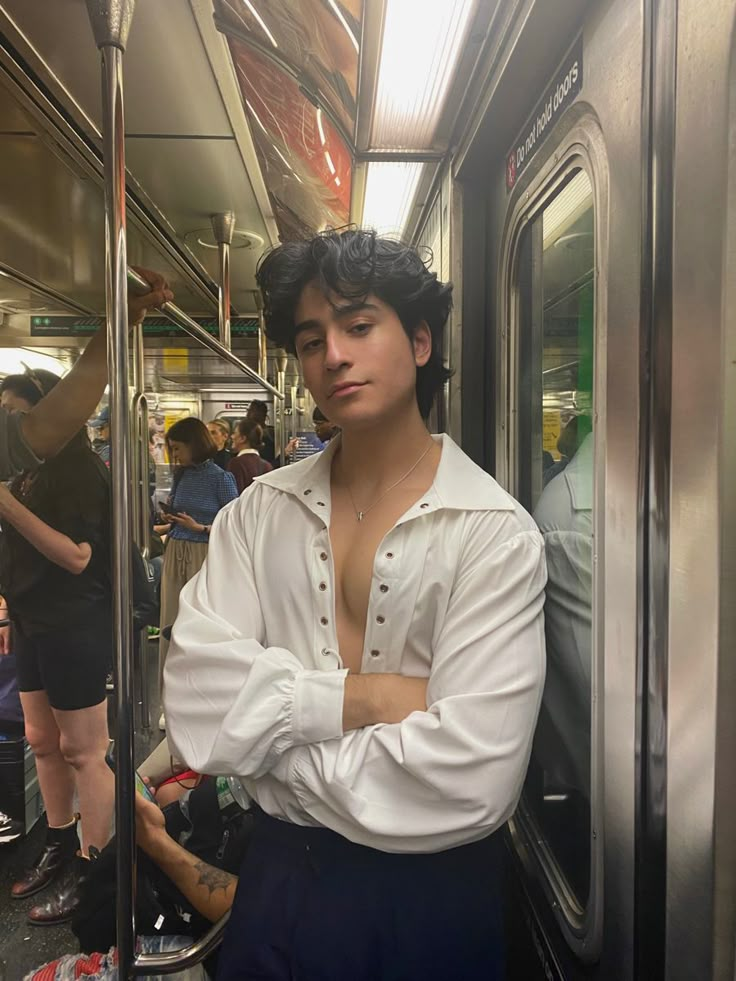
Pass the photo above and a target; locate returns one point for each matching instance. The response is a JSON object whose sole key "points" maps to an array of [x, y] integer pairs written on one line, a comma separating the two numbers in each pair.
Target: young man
{"points": [[364, 648]]}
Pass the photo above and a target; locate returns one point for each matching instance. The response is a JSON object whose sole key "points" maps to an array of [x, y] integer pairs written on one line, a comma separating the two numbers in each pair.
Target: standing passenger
{"points": [[200, 490], [28, 438], [54, 561], [220, 433], [247, 465], [365, 649]]}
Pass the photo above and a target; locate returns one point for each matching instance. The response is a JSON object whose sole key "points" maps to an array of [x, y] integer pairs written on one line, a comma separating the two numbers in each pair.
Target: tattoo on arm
{"points": [[213, 878]]}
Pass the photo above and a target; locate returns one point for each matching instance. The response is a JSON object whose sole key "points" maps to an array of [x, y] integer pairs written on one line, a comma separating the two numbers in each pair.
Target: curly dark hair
{"points": [[353, 263]]}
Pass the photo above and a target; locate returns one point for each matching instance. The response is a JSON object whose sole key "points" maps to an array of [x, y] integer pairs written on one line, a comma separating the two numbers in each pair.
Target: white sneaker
{"points": [[162, 723]]}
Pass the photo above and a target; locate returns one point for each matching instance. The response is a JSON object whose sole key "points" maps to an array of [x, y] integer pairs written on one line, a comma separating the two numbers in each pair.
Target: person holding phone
{"points": [[199, 491]]}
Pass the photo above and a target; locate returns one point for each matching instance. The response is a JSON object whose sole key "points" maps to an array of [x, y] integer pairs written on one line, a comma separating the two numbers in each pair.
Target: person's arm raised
{"points": [[49, 426]]}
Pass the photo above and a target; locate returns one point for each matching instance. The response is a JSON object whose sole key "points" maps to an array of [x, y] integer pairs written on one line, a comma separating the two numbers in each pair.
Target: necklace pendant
{"points": [[360, 515]]}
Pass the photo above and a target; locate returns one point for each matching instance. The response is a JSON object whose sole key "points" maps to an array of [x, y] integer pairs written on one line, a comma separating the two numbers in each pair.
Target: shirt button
{"points": [[323, 556], [389, 555], [424, 505], [375, 653], [380, 619], [320, 504], [326, 652], [324, 621], [323, 586], [307, 492], [384, 588]]}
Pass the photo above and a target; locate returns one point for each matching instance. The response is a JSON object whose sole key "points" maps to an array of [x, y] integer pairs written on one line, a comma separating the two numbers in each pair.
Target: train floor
{"points": [[22, 946]]}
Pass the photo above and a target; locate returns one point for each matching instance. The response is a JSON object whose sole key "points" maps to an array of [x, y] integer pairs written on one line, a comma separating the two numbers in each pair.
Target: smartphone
{"points": [[140, 786]]}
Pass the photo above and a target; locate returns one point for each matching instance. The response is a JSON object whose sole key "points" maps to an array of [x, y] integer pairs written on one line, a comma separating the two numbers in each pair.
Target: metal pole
{"points": [[177, 316], [222, 227], [110, 21], [141, 500], [262, 340], [281, 361]]}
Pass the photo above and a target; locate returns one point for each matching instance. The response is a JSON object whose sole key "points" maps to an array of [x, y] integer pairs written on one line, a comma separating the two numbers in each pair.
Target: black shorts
{"points": [[70, 665]]}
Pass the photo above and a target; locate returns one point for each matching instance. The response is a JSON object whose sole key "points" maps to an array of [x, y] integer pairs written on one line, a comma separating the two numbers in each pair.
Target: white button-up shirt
{"points": [[254, 683]]}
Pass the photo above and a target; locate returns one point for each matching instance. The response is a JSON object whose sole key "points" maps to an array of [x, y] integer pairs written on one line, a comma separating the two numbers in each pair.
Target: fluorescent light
{"points": [[330, 164], [337, 180], [15, 360], [422, 41], [389, 195], [338, 13], [320, 127], [260, 20]]}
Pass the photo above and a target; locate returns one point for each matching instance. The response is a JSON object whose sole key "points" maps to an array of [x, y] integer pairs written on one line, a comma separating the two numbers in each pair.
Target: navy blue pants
{"points": [[312, 906]]}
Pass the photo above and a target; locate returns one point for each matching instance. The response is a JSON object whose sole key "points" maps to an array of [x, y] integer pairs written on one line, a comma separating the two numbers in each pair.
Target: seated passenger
{"points": [[54, 567], [215, 827], [247, 464], [219, 430], [564, 514], [200, 489], [364, 649]]}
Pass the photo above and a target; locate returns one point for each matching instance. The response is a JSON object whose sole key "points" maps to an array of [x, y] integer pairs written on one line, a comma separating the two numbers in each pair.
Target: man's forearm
{"points": [[373, 698], [210, 890]]}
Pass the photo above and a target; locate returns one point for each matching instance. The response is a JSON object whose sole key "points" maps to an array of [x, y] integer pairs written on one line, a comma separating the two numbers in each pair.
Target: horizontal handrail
{"points": [[171, 961], [139, 286]]}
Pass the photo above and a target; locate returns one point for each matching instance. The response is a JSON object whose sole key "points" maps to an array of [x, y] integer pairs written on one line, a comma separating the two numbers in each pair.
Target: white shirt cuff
{"points": [[318, 706]]}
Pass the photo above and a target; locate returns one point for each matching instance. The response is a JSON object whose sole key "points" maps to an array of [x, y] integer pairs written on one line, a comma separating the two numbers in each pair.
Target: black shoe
{"points": [[10, 829], [61, 846], [66, 894]]}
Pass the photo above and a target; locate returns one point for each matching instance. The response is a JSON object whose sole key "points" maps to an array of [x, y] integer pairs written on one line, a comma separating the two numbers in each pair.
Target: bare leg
{"points": [[83, 742], [55, 776]]}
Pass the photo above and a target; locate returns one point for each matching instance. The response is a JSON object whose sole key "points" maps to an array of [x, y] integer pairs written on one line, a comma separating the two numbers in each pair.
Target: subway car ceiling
{"points": [[295, 117]]}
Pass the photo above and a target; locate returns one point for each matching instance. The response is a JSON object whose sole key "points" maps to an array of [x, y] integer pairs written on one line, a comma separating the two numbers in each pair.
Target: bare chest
{"points": [[354, 545]]}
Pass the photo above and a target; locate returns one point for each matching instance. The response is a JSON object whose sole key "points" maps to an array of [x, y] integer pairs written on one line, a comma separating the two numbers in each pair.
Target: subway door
{"points": [[568, 393], [701, 778]]}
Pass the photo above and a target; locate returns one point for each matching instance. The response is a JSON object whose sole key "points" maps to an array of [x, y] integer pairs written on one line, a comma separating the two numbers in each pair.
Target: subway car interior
{"points": [[570, 167]]}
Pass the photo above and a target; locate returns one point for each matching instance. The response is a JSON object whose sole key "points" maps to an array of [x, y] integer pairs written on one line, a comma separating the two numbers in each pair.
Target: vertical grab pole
{"points": [[262, 340], [222, 228], [110, 20], [281, 360], [141, 500]]}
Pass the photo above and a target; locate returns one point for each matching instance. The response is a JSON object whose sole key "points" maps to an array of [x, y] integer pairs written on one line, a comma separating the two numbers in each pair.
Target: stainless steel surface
{"points": [[178, 960], [117, 340], [58, 301], [606, 128], [110, 20], [658, 133], [223, 225], [701, 683], [192, 328], [581, 147], [185, 158]]}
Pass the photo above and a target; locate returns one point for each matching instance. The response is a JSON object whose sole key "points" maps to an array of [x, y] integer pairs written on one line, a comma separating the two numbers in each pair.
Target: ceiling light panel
{"points": [[422, 43], [389, 194]]}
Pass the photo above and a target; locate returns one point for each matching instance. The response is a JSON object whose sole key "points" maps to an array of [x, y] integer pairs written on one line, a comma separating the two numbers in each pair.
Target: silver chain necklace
{"points": [[361, 514]]}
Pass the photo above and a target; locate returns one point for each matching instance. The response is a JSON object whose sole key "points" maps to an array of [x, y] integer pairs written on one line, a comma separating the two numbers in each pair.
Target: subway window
{"points": [[555, 290]]}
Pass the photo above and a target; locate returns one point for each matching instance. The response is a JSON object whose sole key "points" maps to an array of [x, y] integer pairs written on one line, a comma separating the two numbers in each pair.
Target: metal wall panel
{"points": [[701, 738]]}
